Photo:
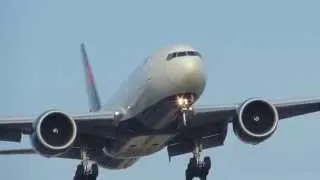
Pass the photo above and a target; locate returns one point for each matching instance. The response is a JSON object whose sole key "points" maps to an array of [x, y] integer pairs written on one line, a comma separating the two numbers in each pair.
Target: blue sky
{"points": [[251, 48]]}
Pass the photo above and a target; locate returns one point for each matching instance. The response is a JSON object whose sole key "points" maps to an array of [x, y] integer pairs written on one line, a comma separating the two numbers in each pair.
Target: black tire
{"points": [[91, 177], [192, 163], [203, 178], [189, 174], [94, 172], [207, 163], [79, 172], [95, 169]]}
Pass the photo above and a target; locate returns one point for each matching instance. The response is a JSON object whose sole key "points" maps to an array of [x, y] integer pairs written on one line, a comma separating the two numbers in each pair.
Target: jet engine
{"points": [[55, 132], [256, 121]]}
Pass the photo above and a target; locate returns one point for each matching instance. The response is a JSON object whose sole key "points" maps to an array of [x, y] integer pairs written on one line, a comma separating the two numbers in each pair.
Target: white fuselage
{"points": [[146, 98]]}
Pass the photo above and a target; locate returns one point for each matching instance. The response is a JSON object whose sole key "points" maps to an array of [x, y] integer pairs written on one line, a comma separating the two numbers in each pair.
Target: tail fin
{"points": [[93, 97]]}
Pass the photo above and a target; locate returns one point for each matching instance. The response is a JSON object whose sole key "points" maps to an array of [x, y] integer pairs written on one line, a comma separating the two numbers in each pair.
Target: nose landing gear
{"points": [[197, 167], [184, 103], [86, 170]]}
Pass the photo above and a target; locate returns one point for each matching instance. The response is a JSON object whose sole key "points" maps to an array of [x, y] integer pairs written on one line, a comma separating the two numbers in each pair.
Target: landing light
{"points": [[182, 101]]}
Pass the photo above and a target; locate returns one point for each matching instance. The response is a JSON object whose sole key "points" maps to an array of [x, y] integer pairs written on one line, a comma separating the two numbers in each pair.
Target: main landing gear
{"points": [[197, 167], [86, 170]]}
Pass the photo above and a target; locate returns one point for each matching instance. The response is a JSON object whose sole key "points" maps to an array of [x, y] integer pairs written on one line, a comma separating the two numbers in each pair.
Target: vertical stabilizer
{"points": [[93, 97]]}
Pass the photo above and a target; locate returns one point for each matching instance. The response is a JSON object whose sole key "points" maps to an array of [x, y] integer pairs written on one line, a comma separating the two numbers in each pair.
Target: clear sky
{"points": [[251, 48]]}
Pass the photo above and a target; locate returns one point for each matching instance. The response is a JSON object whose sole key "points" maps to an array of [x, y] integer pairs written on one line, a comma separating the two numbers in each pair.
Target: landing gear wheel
{"points": [[89, 173], [189, 174], [196, 166], [207, 162], [79, 173], [94, 172], [203, 178], [198, 170], [192, 163], [86, 170]]}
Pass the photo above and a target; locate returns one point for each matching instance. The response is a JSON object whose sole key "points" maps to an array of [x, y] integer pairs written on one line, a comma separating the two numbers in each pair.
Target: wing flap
{"points": [[17, 151], [10, 135]]}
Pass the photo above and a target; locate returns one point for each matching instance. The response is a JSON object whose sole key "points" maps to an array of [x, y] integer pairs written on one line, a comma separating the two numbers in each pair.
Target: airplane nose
{"points": [[187, 74]]}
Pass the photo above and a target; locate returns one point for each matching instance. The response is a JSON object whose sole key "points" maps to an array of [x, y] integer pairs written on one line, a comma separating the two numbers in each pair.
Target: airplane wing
{"points": [[101, 124], [12, 128], [211, 123], [286, 109]]}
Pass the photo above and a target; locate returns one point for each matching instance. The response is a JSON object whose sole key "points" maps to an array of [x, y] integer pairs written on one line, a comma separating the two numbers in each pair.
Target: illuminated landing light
{"points": [[182, 102], [184, 105]]}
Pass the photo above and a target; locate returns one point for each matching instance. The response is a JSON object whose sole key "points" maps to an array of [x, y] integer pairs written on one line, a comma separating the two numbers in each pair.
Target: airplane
{"points": [[152, 110]]}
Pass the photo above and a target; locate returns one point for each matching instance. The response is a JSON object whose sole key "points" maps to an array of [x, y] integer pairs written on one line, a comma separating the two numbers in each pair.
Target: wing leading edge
{"points": [[286, 109], [208, 122], [95, 123]]}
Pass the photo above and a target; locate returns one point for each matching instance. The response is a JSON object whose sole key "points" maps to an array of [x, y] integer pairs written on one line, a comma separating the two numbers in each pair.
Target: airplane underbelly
{"points": [[156, 117], [142, 146], [130, 152], [114, 163]]}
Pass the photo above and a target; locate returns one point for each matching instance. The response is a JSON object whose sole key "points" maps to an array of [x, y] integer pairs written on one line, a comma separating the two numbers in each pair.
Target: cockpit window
{"points": [[183, 53], [171, 55], [194, 53], [191, 53], [180, 54]]}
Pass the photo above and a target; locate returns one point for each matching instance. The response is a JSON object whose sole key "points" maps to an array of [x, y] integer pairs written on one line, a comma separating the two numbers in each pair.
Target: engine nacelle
{"points": [[256, 121], [55, 132]]}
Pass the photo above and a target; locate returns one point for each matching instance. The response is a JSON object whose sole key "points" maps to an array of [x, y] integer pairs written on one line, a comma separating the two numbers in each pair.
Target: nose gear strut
{"points": [[186, 110]]}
